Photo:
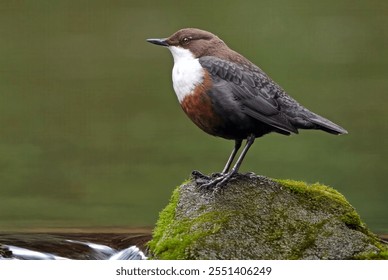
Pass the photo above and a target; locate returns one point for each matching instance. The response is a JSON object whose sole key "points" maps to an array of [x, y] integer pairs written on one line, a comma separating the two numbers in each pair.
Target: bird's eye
{"points": [[185, 40]]}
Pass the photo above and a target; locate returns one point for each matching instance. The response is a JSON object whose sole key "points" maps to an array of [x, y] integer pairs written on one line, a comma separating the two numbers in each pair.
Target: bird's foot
{"points": [[199, 177], [217, 181]]}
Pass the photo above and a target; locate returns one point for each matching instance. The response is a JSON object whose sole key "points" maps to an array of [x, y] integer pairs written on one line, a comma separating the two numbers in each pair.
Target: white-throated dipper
{"points": [[228, 96]]}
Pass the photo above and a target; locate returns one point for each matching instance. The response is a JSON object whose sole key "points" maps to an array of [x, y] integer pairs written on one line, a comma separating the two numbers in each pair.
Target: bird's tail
{"points": [[326, 125], [309, 120]]}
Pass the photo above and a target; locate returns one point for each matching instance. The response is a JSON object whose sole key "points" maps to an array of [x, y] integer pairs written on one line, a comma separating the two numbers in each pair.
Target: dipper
{"points": [[228, 96]]}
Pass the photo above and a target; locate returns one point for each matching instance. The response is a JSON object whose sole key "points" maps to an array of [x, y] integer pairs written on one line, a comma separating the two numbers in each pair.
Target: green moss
{"points": [[352, 220], [182, 232], [165, 217], [382, 255], [310, 232], [321, 193], [275, 235], [316, 189], [218, 223], [348, 214]]}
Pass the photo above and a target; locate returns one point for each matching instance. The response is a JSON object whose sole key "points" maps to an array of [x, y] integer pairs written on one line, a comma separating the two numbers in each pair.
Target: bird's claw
{"points": [[199, 175], [216, 182]]}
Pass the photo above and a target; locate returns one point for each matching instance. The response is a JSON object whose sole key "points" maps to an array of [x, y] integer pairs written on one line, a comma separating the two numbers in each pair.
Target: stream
{"points": [[74, 246]]}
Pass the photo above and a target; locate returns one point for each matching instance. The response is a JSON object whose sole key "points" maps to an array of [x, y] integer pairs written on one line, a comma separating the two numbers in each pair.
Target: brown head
{"points": [[199, 42]]}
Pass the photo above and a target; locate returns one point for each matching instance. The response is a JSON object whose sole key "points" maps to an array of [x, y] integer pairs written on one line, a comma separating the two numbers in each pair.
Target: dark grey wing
{"points": [[254, 91]]}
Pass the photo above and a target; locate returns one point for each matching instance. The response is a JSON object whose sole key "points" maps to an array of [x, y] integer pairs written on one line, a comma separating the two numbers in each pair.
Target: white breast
{"points": [[187, 72]]}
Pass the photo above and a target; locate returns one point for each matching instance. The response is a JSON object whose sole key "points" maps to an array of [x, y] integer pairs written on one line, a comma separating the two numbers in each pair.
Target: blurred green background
{"points": [[91, 133]]}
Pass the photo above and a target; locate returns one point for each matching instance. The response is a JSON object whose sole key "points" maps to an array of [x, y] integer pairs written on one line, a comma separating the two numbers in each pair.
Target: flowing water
{"points": [[126, 244]]}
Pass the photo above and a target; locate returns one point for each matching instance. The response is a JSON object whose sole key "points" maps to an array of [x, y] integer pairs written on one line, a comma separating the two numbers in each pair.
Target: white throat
{"points": [[187, 72]]}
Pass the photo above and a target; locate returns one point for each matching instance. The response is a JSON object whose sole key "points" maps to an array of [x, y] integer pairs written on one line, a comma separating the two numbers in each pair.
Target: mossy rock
{"points": [[4, 252], [254, 217]]}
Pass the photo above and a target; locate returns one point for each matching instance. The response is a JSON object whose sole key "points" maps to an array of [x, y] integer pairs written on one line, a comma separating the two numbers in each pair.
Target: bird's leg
{"points": [[237, 145], [250, 140], [199, 177], [223, 179]]}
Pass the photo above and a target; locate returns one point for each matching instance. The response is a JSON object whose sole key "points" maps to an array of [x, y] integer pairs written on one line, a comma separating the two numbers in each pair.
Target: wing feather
{"points": [[254, 91]]}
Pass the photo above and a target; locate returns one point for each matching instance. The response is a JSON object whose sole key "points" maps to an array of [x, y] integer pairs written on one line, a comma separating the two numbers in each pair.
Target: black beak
{"points": [[160, 42]]}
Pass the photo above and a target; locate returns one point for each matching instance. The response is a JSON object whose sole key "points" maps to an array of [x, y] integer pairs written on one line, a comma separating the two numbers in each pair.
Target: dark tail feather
{"points": [[326, 125]]}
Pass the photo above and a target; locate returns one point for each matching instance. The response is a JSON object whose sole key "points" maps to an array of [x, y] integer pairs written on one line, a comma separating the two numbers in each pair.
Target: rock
{"points": [[4, 252], [254, 217]]}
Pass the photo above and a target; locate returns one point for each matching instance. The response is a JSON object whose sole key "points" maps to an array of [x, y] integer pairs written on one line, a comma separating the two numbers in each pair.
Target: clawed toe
{"points": [[215, 181], [200, 178], [218, 182]]}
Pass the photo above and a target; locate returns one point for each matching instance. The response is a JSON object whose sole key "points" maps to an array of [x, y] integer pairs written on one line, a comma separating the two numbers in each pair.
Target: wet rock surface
{"points": [[255, 217]]}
